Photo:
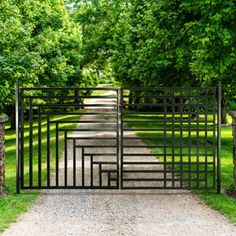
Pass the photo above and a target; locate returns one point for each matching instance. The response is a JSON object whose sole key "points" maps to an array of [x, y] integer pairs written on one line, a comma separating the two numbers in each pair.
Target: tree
{"points": [[40, 46], [163, 43], [97, 19], [212, 37], [141, 42]]}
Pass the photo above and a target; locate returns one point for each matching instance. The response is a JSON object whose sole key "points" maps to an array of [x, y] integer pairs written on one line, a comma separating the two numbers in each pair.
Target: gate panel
{"points": [[71, 138], [68, 138], [179, 126]]}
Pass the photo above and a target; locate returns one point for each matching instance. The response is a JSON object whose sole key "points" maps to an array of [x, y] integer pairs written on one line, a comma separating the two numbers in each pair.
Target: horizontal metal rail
{"points": [[67, 97], [168, 88], [167, 171], [166, 162], [67, 88]]}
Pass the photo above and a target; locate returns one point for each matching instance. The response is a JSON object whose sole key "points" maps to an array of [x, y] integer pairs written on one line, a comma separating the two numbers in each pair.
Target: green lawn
{"points": [[12, 205], [221, 202]]}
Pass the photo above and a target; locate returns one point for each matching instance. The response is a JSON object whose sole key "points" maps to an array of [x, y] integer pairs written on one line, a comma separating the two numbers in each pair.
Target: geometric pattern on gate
{"points": [[110, 138]]}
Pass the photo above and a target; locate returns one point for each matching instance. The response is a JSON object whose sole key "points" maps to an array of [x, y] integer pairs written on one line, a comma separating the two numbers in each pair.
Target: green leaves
{"points": [[175, 43], [139, 42], [39, 45]]}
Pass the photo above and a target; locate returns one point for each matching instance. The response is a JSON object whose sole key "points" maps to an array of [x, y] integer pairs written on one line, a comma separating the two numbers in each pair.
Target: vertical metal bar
{"points": [[197, 151], [181, 137], [91, 170], [30, 144], [57, 156], [165, 135], [121, 137], [173, 137], [39, 149], [205, 138], [109, 179], [214, 137], [82, 154], [219, 137], [74, 162], [206, 105], [65, 158], [118, 138], [100, 175], [189, 140], [17, 139], [22, 137], [206, 167], [48, 150]]}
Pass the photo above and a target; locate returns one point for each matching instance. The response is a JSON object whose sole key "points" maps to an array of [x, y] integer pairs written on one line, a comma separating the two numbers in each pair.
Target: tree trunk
{"points": [[137, 100], [11, 113], [130, 102], [78, 99], [224, 107]]}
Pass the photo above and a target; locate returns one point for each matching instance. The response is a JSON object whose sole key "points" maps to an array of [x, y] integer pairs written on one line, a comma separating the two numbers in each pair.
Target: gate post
{"points": [[17, 138], [219, 137], [233, 115], [3, 119]]}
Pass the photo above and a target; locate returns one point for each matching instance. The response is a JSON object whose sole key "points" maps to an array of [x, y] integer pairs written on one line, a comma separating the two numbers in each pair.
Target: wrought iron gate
{"points": [[71, 121], [178, 128], [108, 138]]}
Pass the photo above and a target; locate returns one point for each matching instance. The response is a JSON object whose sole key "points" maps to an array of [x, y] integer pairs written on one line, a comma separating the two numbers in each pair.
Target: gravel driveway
{"points": [[119, 212]]}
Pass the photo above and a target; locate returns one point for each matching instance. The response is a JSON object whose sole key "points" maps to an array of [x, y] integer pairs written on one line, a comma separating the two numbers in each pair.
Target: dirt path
{"points": [[118, 212]]}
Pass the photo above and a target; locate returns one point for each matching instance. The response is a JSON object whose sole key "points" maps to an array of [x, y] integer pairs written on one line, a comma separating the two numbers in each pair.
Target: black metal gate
{"points": [[108, 138], [180, 136], [77, 143]]}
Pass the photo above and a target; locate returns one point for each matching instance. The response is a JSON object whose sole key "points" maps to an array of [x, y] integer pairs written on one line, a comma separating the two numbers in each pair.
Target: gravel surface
{"points": [[118, 212]]}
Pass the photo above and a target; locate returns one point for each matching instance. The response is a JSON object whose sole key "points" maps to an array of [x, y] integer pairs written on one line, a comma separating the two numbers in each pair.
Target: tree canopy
{"points": [[39, 45], [138, 42], [163, 43]]}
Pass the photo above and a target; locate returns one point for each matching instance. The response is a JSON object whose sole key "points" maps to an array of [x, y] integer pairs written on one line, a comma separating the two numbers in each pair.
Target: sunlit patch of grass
{"points": [[221, 202], [101, 92], [12, 205]]}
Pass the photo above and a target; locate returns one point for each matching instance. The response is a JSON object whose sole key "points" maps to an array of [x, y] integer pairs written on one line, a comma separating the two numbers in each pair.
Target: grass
{"points": [[12, 205], [221, 202]]}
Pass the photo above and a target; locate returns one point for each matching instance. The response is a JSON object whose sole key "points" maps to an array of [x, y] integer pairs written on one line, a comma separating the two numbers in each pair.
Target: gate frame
{"points": [[216, 97], [20, 129], [219, 100]]}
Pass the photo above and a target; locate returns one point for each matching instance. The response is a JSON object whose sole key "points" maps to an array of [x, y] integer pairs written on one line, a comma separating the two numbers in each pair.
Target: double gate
{"points": [[108, 138]]}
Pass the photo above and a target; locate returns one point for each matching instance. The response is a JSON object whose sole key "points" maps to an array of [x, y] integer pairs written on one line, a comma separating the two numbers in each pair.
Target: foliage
{"points": [[178, 42], [97, 18], [139, 42], [39, 45], [161, 43]]}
